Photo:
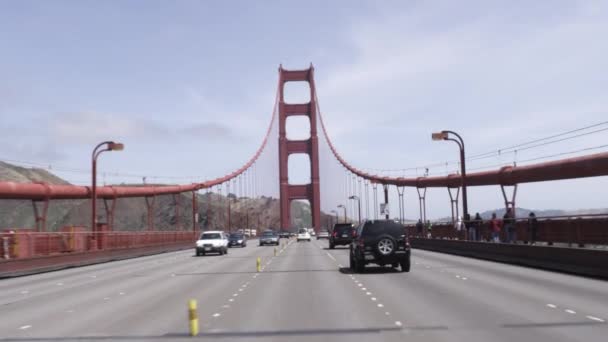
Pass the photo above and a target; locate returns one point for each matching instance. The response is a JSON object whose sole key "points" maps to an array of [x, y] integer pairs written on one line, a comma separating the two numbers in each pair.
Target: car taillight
{"points": [[361, 243], [354, 233], [334, 234]]}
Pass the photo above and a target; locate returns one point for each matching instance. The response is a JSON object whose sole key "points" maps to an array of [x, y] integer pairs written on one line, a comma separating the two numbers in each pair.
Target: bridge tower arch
{"points": [[311, 191]]}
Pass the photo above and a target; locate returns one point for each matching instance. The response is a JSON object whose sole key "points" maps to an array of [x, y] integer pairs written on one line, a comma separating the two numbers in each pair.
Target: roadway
{"points": [[305, 293]]}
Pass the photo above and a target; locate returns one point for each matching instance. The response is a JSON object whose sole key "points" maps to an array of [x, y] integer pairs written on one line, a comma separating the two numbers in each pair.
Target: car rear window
{"points": [[236, 236], [343, 229], [210, 236], [268, 234], [303, 231]]}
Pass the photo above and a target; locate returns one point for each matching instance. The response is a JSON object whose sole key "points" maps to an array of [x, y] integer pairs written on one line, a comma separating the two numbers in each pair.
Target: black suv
{"points": [[381, 242], [342, 235]]}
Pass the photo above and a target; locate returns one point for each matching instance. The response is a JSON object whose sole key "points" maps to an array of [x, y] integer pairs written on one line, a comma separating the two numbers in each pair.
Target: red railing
{"points": [[577, 230], [22, 244]]}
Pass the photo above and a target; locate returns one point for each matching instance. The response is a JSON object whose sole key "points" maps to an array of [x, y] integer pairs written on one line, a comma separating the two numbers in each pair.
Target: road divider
{"points": [[193, 317], [258, 264]]}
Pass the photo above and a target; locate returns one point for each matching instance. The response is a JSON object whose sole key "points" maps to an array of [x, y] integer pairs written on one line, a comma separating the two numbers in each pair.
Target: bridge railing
{"points": [[21, 244], [579, 230]]}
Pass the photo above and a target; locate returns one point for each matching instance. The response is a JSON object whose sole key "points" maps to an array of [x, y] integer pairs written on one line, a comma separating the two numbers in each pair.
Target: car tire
{"points": [[405, 265], [395, 265], [359, 266], [386, 245], [203, 253], [198, 253], [226, 251], [331, 246]]}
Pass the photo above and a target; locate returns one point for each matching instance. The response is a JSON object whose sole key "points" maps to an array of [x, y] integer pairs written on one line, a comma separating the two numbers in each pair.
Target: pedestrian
{"points": [[470, 227], [495, 226], [532, 228], [419, 227], [475, 230], [509, 224]]}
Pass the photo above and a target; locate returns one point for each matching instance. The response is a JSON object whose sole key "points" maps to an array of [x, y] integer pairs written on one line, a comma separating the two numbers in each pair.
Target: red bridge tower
{"points": [[310, 146]]}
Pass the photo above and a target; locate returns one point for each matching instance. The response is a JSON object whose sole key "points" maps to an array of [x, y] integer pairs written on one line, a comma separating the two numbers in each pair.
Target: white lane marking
{"points": [[458, 276], [572, 312], [363, 289], [387, 313], [59, 284], [380, 305], [464, 278], [240, 290], [70, 311], [122, 293], [416, 263], [25, 327], [368, 293], [595, 319], [216, 315], [398, 323], [93, 276], [226, 306], [231, 300], [331, 256], [428, 266], [373, 299], [235, 295], [552, 306], [106, 298], [360, 285], [25, 292]]}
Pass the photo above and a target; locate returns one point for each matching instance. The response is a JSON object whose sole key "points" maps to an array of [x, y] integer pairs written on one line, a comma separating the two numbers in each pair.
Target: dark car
{"points": [[237, 239], [269, 237], [381, 242], [284, 235], [342, 235]]}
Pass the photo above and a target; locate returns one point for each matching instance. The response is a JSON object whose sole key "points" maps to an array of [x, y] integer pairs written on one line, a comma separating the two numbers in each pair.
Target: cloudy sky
{"points": [[189, 87]]}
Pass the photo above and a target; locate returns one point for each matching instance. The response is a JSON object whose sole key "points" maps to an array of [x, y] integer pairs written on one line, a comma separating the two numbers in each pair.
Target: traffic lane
{"points": [[29, 287], [467, 309], [300, 296], [552, 287], [102, 310]]}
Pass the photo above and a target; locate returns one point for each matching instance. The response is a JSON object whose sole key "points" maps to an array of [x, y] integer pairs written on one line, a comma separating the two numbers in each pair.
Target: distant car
{"points": [[212, 242], [237, 239], [284, 235], [269, 237], [323, 234], [312, 232], [303, 234], [381, 242], [342, 235]]}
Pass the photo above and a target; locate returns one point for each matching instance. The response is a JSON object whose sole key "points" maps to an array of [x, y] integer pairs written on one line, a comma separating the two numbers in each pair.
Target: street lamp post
{"points": [[353, 197], [336, 214], [445, 135], [343, 207], [107, 146]]}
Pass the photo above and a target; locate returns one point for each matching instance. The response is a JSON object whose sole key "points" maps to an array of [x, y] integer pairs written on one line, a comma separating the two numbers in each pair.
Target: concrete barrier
{"points": [[586, 262]]}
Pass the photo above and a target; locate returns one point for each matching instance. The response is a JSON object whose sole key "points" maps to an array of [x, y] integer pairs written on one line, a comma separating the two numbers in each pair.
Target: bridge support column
{"points": [[41, 214], [150, 200], [422, 203], [176, 203], [386, 210], [110, 209], [311, 191], [454, 203], [194, 211], [400, 190], [509, 201]]}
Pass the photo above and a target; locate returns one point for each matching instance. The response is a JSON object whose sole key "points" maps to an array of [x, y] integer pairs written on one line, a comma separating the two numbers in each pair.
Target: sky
{"points": [[189, 87]]}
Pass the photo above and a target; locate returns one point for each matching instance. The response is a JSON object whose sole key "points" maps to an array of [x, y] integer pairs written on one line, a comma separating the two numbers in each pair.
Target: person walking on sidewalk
{"points": [[495, 225], [532, 228]]}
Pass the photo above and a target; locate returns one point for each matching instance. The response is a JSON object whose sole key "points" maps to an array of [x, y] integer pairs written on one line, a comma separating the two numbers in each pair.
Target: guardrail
{"points": [[579, 230], [24, 244]]}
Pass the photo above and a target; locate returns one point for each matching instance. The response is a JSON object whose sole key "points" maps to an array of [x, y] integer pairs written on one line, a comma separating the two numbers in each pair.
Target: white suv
{"points": [[303, 234], [212, 242]]}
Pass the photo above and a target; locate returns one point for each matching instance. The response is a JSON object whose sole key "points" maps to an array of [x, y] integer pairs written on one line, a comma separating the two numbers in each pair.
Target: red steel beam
{"points": [[593, 165]]}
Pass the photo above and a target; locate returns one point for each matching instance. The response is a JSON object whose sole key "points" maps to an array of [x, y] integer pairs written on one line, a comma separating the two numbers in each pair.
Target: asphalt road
{"points": [[305, 293]]}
